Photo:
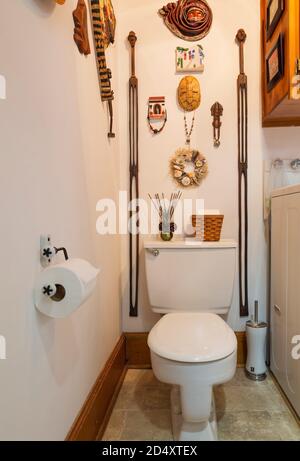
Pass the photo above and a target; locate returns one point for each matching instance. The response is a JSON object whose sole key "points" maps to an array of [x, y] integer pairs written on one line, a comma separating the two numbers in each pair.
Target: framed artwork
{"points": [[275, 64], [275, 10], [190, 59]]}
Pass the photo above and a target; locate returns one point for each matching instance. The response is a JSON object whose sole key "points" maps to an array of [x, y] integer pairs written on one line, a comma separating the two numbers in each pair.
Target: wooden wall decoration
{"points": [[217, 112], [242, 108], [190, 20], [157, 113], [81, 36], [104, 23], [189, 93], [108, 19]]}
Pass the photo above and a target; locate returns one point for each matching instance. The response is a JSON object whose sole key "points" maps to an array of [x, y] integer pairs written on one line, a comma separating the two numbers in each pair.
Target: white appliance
{"points": [[285, 291], [192, 347]]}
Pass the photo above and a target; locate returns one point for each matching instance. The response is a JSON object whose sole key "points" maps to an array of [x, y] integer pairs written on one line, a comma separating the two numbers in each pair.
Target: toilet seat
{"points": [[192, 338]]}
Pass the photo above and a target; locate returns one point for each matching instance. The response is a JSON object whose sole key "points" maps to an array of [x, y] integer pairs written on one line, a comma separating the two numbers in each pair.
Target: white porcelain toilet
{"points": [[192, 347]]}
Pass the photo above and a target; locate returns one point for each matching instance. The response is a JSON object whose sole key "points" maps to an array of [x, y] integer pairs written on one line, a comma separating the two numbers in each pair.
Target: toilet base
{"points": [[191, 432]]}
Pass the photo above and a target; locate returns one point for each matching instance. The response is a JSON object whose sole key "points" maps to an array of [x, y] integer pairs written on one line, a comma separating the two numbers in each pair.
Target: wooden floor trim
{"points": [[138, 353], [91, 421]]}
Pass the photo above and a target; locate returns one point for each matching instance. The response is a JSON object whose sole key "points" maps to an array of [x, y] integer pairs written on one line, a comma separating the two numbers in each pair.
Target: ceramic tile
{"points": [[246, 398], [130, 398], [156, 398], [116, 425], [143, 398], [147, 426], [246, 410], [257, 426]]}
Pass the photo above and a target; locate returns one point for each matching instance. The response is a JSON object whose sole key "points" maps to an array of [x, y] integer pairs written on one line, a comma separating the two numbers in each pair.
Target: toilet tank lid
{"points": [[188, 243]]}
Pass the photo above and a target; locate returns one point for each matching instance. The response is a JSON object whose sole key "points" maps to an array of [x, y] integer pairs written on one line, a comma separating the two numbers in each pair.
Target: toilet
{"points": [[192, 347]]}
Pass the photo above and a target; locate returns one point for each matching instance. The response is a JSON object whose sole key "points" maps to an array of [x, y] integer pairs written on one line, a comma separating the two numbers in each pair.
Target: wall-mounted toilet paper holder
{"points": [[48, 251]]}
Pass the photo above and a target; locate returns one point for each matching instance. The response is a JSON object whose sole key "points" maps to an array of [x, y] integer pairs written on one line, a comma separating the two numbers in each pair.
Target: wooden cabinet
{"points": [[280, 51], [285, 292]]}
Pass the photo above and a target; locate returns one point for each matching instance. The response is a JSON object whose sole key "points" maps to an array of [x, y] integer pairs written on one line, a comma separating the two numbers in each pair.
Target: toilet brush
{"points": [[256, 344]]}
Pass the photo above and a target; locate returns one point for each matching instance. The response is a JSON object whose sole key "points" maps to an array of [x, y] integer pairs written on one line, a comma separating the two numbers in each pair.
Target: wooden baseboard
{"points": [[242, 348], [137, 350], [138, 353], [92, 419]]}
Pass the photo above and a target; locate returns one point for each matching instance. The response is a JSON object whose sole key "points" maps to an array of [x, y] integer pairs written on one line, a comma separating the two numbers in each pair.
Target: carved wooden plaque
{"points": [[188, 19]]}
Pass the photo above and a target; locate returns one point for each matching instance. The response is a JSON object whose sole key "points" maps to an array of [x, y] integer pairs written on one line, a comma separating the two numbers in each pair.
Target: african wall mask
{"points": [[81, 37], [108, 20], [189, 94], [188, 19]]}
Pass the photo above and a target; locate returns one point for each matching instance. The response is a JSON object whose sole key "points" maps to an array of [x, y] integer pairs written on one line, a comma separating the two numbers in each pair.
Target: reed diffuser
{"points": [[166, 209]]}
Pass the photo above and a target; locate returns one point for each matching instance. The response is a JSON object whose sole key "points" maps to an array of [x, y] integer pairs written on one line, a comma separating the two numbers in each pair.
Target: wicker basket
{"points": [[210, 229]]}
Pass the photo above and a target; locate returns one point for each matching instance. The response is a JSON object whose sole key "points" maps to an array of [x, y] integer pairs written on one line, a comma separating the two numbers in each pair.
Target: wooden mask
{"points": [[81, 37], [188, 19], [189, 94]]}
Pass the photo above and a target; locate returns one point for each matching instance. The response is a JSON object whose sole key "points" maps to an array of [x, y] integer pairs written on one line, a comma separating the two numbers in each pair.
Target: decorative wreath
{"points": [[189, 167]]}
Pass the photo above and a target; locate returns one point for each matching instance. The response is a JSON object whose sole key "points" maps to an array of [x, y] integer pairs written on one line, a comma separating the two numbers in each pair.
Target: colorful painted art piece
{"points": [[190, 20], [190, 59], [157, 112], [157, 108], [108, 20]]}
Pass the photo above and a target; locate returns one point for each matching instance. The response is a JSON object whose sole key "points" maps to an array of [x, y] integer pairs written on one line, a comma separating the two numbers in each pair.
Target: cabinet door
{"points": [[292, 207], [278, 289]]}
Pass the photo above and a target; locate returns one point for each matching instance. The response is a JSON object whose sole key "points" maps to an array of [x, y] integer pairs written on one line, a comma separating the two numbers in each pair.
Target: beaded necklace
{"points": [[188, 132]]}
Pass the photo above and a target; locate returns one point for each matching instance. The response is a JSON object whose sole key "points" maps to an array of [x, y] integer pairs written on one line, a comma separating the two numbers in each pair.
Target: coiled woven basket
{"points": [[208, 227]]}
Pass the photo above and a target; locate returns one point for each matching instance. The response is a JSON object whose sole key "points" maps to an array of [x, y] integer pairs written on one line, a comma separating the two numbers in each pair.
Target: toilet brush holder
{"points": [[256, 332]]}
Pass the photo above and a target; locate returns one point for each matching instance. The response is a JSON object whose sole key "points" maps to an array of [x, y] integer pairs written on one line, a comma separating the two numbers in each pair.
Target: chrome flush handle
{"points": [[277, 308], [154, 252]]}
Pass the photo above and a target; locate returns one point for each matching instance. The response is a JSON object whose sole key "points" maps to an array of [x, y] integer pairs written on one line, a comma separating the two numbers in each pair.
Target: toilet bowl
{"points": [[193, 352], [192, 347]]}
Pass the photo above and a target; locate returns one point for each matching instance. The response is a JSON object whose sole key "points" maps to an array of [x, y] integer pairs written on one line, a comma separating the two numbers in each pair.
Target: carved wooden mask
{"points": [[188, 19], [81, 37]]}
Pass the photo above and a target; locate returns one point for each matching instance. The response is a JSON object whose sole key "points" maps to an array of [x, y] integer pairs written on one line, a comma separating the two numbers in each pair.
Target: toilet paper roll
{"points": [[62, 288]]}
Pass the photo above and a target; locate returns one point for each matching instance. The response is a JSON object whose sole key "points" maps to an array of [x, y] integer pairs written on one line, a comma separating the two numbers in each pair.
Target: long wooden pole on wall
{"points": [[134, 240], [242, 95]]}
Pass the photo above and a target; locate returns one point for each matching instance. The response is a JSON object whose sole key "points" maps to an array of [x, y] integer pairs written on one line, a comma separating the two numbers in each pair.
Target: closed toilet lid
{"points": [[192, 337]]}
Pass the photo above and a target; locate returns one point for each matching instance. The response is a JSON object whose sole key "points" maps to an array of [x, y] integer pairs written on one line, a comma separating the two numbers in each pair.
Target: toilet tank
{"points": [[185, 276]]}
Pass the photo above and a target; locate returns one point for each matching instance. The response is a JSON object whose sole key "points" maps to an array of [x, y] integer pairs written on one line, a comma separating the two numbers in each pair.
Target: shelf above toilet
{"points": [[188, 244]]}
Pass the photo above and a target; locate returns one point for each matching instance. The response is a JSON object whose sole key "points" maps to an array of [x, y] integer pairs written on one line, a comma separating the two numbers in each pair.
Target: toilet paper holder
{"points": [[48, 251]]}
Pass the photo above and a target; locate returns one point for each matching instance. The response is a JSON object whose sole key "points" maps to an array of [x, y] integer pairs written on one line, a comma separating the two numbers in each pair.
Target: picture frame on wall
{"points": [[275, 64], [275, 10]]}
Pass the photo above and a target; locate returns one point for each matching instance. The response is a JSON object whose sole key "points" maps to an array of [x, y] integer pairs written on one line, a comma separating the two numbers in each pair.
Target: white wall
{"points": [[156, 72], [56, 162]]}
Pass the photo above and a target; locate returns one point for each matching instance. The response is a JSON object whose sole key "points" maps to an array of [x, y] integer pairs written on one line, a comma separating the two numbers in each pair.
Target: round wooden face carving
{"points": [[188, 19], [189, 94]]}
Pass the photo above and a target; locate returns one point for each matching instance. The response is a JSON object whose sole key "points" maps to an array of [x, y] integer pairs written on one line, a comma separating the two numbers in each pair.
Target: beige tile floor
{"points": [[245, 410]]}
